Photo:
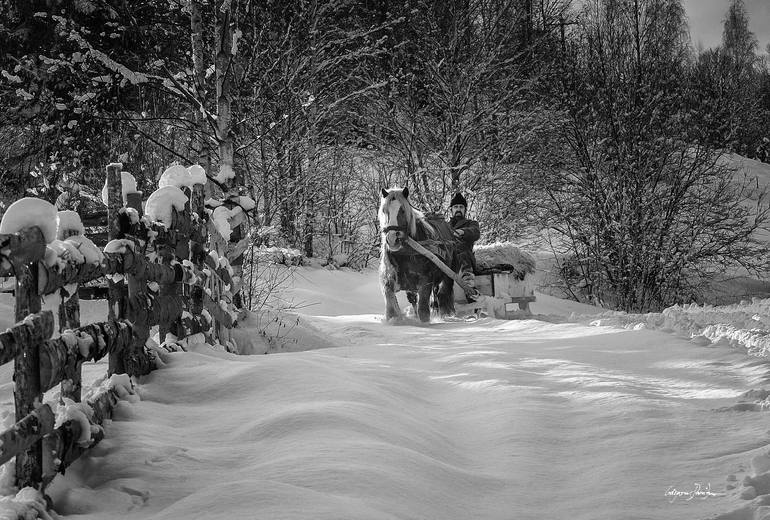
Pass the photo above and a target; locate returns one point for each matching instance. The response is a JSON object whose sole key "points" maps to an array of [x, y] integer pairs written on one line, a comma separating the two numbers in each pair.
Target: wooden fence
{"points": [[162, 275]]}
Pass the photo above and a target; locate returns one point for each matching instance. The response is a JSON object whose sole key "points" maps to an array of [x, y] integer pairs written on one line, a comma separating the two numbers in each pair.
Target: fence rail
{"points": [[159, 274]]}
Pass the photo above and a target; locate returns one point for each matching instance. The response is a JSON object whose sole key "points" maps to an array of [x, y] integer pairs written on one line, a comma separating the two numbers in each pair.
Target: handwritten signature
{"points": [[699, 491]]}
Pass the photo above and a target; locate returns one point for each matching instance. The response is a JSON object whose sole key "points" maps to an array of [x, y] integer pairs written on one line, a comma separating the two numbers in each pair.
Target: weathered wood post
{"points": [[135, 360], [197, 243], [116, 292], [26, 376], [169, 301], [69, 309]]}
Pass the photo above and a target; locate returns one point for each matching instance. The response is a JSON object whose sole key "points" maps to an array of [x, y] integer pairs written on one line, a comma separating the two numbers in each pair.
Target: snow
{"points": [[67, 251], [181, 177], [576, 413], [225, 173], [197, 174], [68, 223], [133, 214], [91, 253], [118, 245], [122, 384], [29, 212], [221, 218], [160, 203], [246, 202], [80, 413], [27, 503], [127, 183]]}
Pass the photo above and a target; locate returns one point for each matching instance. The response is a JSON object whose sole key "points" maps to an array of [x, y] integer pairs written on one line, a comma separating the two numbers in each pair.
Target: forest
{"points": [[596, 127]]}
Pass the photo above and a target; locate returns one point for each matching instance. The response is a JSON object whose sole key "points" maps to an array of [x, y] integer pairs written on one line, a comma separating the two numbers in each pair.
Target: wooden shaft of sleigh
{"points": [[441, 265]]}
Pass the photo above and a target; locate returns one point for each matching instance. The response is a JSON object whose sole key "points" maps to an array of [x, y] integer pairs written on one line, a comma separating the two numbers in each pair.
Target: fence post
{"points": [[135, 360], [69, 309], [116, 292], [26, 376], [197, 241], [168, 303]]}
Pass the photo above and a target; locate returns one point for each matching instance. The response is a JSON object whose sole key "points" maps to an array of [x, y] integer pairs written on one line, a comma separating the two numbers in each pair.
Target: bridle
{"points": [[394, 228]]}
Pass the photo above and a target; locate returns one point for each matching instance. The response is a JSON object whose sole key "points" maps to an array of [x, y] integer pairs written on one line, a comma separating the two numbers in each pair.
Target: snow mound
{"points": [[506, 256], [181, 177], [29, 212], [68, 224], [745, 324], [160, 203]]}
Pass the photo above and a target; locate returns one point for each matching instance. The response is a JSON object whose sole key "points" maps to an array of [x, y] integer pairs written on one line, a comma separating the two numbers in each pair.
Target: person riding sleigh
{"points": [[466, 234]]}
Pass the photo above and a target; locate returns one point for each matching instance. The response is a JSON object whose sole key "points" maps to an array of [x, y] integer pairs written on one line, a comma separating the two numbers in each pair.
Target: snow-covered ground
{"points": [[576, 414]]}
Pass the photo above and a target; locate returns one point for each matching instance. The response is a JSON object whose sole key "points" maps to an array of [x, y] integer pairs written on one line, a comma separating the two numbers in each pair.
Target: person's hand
{"points": [[459, 233]]}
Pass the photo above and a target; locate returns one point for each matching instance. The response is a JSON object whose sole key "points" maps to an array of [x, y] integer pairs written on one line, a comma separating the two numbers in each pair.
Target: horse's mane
{"points": [[413, 216]]}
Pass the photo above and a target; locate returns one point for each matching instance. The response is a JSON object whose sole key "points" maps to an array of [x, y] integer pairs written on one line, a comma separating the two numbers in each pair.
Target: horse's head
{"points": [[396, 217]]}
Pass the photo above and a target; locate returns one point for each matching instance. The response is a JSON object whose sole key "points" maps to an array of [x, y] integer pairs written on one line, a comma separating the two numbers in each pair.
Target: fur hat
{"points": [[458, 199]]}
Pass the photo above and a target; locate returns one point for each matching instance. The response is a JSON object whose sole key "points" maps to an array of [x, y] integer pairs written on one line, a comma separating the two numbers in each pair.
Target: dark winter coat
{"points": [[464, 244]]}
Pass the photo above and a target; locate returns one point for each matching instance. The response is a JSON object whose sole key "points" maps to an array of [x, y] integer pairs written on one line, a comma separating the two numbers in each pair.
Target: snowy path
{"points": [[569, 419], [484, 420]]}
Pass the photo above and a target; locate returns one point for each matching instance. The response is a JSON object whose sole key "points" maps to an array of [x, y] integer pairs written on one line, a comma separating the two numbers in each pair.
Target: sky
{"points": [[706, 19]]}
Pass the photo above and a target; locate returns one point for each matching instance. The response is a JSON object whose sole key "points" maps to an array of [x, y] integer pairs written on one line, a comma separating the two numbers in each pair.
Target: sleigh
{"points": [[504, 274], [503, 280], [508, 295]]}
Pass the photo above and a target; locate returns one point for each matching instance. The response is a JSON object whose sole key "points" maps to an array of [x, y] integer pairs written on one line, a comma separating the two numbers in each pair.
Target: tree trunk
{"points": [[226, 20], [200, 143]]}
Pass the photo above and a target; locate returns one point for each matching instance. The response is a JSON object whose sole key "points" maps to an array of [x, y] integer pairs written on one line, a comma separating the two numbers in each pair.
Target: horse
{"points": [[403, 268]]}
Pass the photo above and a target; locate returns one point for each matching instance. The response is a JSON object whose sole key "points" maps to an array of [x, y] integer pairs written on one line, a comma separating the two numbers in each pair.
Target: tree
{"points": [[304, 80], [459, 101], [727, 88], [738, 42], [644, 206]]}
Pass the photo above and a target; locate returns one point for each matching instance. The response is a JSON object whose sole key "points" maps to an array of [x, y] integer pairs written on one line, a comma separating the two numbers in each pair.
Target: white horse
{"points": [[403, 268]]}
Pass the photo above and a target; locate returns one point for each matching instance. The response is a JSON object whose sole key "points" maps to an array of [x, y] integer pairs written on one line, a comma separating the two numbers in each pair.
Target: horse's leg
{"points": [[411, 296], [392, 309], [388, 287], [446, 300], [434, 307], [423, 301]]}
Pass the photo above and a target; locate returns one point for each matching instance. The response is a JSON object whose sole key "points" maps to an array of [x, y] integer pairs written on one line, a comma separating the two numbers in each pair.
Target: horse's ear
{"points": [[384, 192], [406, 192]]}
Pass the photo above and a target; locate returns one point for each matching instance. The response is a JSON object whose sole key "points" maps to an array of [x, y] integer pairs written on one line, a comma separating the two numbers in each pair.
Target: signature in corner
{"points": [[699, 491]]}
